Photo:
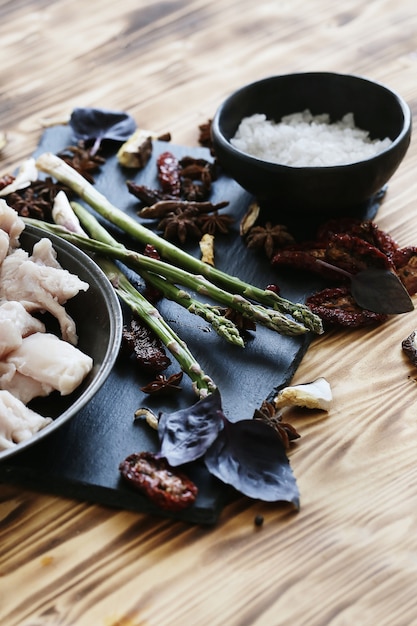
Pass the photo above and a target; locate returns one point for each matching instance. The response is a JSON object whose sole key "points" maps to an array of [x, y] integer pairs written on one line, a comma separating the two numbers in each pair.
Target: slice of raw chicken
{"points": [[51, 361], [11, 223], [41, 287], [17, 422], [4, 245], [16, 323], [23, 387]]}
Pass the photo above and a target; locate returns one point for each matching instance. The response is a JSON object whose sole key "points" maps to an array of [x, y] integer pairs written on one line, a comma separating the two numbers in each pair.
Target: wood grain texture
{"points": [[350, 555]]}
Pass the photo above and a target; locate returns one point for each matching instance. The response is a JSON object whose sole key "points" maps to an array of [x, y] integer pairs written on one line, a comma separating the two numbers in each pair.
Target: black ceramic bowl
{"points": [[98, 317], [333, 190]]}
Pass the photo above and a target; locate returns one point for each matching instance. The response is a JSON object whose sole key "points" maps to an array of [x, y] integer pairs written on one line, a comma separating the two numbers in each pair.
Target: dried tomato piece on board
{"points": [[336, 227], [405, 261], [147, 348], [375, 236], [336, 307], [354, 254], [169, 489], [367, 230], [305, 258]]}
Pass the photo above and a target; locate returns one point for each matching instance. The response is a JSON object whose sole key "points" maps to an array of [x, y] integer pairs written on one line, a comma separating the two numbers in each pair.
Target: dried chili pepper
{"points": [[167, 488], [169, 173], [336, 307]]}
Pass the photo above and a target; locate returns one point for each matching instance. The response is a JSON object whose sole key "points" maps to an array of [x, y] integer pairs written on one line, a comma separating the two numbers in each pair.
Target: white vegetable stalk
{"points": [[28, 173], [63, 215]]}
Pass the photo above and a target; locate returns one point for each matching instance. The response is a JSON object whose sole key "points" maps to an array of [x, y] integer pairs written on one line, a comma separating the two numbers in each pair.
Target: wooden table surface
{"points": [[349, 557]]}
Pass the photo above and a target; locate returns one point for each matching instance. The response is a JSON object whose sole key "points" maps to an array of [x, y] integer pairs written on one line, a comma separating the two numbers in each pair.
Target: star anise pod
{"points": [[26, 203], [180, 225], [198, 169], [47, 189], [268, 414], [37, 199], [269, 237], [196, 177], [81, 159], [216, 222], [163, 385], [194, 191]]}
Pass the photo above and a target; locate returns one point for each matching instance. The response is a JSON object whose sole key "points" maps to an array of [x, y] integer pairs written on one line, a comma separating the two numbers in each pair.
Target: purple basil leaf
{"points": [[380, 291], [250, 456], [98, 125], [185, 435]]}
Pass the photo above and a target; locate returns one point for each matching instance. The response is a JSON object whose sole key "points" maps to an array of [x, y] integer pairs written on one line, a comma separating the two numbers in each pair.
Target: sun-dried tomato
{"points": [[405, 261], [305, 259], [336, 307], [147, 348], [169, 178], [168, 488], [366, 230], [354, 254], [336, 226], [375, 236]]}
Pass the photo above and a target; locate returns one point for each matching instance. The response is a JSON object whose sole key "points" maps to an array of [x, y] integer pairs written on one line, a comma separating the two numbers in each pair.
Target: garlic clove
{"points": [[314, 395]]}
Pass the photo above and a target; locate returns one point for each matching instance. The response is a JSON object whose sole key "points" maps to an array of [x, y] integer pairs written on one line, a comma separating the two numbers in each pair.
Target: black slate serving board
{"points": [[81, 458]]}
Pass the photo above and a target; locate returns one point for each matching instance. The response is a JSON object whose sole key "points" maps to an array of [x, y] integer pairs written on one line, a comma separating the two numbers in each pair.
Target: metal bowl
{"points": [[98, 317]]}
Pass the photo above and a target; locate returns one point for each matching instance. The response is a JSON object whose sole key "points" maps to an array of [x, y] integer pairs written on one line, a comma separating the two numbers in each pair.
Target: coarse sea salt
{"points": [[306, 140]]}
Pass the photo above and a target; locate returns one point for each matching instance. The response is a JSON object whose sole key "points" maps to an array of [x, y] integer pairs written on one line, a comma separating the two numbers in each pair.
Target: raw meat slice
{"points": [[51, 361]]}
